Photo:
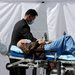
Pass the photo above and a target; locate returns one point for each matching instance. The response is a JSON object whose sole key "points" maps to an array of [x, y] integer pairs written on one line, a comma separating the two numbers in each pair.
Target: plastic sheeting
{"points": [[60, 19], [56, 17]]}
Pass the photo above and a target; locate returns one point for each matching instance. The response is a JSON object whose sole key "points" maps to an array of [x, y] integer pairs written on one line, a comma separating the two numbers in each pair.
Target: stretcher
{"points": [[49, 63]]}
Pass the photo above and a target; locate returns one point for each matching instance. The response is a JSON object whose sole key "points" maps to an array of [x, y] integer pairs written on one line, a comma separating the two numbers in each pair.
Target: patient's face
{"points": [[22, 41]]}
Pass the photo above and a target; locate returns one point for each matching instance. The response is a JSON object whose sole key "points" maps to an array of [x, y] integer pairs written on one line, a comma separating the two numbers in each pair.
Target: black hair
{"points": [[31, 12]]}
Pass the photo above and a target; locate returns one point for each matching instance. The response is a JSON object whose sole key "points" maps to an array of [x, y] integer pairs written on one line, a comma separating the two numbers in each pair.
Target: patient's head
{"points": [[22, 41]]}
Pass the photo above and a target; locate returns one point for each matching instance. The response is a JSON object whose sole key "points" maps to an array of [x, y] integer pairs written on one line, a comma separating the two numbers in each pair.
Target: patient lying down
{"points": [[63, 45], [27, 47]]}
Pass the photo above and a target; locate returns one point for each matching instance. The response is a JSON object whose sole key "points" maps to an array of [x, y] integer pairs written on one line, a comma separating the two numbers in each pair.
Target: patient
{"points": [[27, 47], [63, 45]]}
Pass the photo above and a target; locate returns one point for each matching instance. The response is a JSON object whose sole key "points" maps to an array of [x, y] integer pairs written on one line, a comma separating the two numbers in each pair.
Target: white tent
{"points": [[55, 18]]}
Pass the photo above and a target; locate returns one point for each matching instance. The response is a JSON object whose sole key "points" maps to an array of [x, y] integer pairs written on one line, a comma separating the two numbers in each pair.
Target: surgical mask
{"points": [[31, 22]]}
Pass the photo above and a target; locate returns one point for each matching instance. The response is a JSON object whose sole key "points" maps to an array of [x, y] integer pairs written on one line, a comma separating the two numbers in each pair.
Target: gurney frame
{"points": [[49, 65]]}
